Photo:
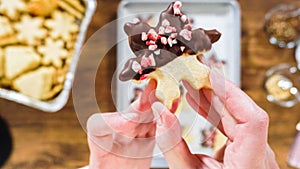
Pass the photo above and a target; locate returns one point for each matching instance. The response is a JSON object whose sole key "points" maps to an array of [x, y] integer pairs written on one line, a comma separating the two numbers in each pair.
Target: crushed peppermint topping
{"points": [[186, 34], [165, 23], [164, 40], [144, 36], [136, 67]]}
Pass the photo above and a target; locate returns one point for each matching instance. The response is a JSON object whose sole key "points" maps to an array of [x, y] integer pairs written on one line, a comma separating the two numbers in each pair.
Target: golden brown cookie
{"points": [[5, 28], [53, 52], [18, 59], [11, 8], [42, 7], [1, 63], [30, 30], [36, 83], [169, 76], [62, 25]]}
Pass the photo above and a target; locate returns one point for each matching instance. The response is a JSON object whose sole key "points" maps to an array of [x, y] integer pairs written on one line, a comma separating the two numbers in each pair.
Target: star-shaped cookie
{"points": [[30, 30], [62, 25], [12, 7], [53, 52]]}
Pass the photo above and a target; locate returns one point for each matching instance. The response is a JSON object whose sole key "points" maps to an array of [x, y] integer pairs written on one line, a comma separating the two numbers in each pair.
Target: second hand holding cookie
{"points": [[235, 114]]}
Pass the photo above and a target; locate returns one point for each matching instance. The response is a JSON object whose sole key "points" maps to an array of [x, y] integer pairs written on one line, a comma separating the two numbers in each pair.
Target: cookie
{"points": [[6, 28], [169, 76], [1, 63], [42, 7], [168, 53], [62, 25], [19, 59], [53, 52], [73, 7], [30, 30], [11, 8], [35, 84]]}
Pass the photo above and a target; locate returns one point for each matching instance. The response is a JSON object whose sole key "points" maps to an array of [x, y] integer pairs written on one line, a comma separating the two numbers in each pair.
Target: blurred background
{"points": [[57, 140]]}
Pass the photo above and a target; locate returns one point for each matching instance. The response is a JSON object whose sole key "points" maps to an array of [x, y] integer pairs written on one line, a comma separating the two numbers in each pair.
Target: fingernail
{"points": [[217, 81], [157, 108]]}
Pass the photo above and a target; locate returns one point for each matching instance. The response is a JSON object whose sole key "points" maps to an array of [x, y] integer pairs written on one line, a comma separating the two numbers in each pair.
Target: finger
{"points": [[169, 140], [238, 104], [205, 109]]}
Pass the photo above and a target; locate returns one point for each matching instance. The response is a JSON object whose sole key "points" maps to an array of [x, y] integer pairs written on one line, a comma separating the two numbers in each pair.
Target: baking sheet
{"points": [[223, 15], [59, 101]]}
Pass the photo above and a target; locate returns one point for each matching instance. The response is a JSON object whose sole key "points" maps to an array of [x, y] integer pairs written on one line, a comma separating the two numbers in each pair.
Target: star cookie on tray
{"points": [[11, 8], [30, 30], [62, 25], [53, 52]]}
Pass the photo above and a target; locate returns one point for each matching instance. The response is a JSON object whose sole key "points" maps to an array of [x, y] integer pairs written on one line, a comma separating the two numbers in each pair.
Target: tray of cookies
{"points": [[40, 42]]}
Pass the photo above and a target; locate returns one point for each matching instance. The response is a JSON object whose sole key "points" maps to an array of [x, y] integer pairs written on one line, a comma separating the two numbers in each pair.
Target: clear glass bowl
{"points": [[282, 85], [282, 25]]}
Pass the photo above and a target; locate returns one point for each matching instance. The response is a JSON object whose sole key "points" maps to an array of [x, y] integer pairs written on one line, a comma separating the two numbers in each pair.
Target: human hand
{"points": [[123, 139], [235, 114]]}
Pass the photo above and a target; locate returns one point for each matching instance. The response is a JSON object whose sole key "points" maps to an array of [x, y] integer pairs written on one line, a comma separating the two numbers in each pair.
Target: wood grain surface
{"points": [[57, 141]]}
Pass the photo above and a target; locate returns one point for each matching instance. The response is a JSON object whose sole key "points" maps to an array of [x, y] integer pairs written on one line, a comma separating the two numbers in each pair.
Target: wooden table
{"points": [[43, 140]]}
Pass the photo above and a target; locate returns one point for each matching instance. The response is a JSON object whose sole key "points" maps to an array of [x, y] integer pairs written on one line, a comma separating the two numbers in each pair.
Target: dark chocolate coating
{"points": [[186, 41]]}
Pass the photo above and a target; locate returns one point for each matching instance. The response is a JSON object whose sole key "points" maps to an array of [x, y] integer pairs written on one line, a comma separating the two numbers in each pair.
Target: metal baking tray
{"points": [[223, 15], [60, 100]]}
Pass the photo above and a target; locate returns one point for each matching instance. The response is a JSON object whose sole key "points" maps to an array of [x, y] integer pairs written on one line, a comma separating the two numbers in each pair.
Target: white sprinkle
{"points": [[177, 11], [152, 61], [135, 20], [163, 40], [174, 41], [144, 36], [170, 29], [170, 41], [153, 33], [173, 35], [165, 23], [186, 34], [157, 52], [136, 67], [161, 30], [152, 47], [183, 18], [182, 48]]}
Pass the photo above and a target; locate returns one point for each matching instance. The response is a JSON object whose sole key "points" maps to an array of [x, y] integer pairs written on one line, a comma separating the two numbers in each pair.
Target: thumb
{"points": [[169, 140], [168, 131]]}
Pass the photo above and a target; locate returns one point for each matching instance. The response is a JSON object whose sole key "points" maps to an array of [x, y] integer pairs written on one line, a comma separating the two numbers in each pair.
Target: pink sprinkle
{"points": [[164, 40], [144, 76], [186, 34], [177, 4], [152, 34], [144, 36], [151, 60], [188, 26], [136, 67], [150, 42], [145, 62], [152, 47]]}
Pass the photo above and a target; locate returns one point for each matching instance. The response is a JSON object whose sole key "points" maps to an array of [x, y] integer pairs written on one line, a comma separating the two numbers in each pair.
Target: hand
{"points": [[235, 114], [123, 139]]}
